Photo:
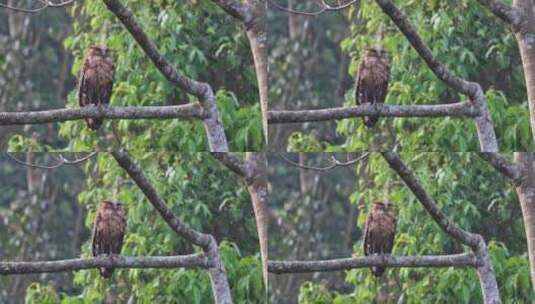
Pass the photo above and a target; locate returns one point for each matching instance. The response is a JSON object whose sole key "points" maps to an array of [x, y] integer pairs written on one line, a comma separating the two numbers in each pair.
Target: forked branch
{"points": [[207, 242]]}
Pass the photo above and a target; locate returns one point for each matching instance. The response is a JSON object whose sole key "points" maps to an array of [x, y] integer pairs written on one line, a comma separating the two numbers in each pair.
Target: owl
{"points": [[95, 83], [372, 80], [379, 232], [108, 232]]}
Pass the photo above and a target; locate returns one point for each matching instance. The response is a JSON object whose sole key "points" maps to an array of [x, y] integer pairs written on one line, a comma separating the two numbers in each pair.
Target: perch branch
{"points": [[487, 278], [461, 109], [454, 260], [203, 91], [207, 242], [185, 261], [187, 111]]}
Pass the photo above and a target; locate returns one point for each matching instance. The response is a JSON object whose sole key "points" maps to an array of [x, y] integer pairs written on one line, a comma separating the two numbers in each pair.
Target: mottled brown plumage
{"points": [[372, 80], [96, 80], [108, 232], [380, 232]]}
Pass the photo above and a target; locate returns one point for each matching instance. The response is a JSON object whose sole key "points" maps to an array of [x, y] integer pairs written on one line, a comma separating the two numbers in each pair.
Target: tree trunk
{"points": [[258, 192], [526, 194], [526, 43], [257, 35]]}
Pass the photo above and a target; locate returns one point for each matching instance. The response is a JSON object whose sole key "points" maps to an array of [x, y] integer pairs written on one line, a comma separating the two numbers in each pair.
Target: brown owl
{"points": [[372, 80], [96, 80], [379, 232], [108, 232]]}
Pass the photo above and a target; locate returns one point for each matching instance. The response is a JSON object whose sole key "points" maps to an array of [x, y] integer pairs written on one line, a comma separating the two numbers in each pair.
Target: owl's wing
{"points": [[367, 234], [97, 237], [82, 86], [383, 86], [358, 85]]}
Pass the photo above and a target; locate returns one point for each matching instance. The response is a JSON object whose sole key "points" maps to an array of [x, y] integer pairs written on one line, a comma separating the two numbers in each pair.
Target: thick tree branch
{"points": [[454, 260], [510, 15], [502, 165], [203, 91], [235, 164], [487, 278], [184, 261], [485, 129], [187, 111], [207, 242], [461, 109]]}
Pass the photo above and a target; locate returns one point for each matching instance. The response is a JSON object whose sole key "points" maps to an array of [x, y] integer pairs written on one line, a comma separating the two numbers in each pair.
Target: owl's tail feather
{"points": [[378, 271], [94, 123], [106, 272], [369, 121]]}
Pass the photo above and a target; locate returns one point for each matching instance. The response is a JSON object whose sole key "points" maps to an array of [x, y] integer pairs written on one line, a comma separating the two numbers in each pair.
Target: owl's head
{"points": [[113, 206], [377, 52], [100, 51], [384, 206]]}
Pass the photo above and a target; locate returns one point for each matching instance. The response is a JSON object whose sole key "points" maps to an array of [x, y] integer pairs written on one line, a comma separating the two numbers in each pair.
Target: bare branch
{"points": [[334, 162], [510, 15], [502, 165], [461, 109], [207, 242], [485, 129], [324, 8], [162, 262], [187, 111], [45, 4], [454, 260], [203, 91], [61, 161]]}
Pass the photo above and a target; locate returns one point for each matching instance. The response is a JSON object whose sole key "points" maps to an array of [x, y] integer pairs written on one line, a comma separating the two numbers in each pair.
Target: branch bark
{"points": [[454, 260], [203, 91], [207, 242], [461, 109], [188, 111], [169, 262], [485, 129], [487, 278]]}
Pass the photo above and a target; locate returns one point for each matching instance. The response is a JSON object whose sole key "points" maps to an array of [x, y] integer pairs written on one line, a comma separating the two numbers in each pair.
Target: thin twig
{"points": [[325, 7], [334, 162], [61, 161]]}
